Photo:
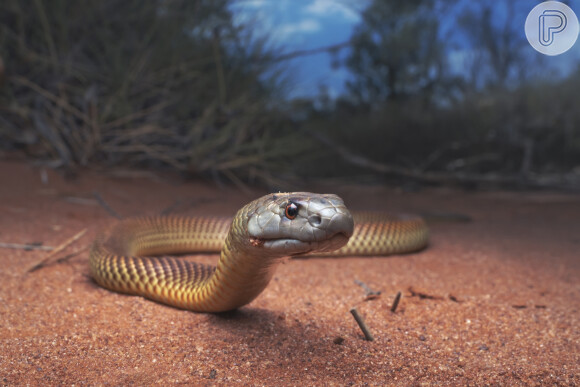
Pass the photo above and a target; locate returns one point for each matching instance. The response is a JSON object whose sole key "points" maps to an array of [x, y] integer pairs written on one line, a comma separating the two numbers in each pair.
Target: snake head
{"points": [[298, 223]]}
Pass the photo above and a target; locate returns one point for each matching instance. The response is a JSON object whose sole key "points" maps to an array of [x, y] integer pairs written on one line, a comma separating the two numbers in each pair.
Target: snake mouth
{"points": [[337, 241], [291, 246]]}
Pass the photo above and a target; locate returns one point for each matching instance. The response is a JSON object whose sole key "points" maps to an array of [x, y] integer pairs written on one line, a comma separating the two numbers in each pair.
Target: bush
{"points": [[156, 83]]}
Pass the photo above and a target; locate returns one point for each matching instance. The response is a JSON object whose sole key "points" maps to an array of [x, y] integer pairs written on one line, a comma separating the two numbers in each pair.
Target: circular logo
{"points": [[552, 28]]}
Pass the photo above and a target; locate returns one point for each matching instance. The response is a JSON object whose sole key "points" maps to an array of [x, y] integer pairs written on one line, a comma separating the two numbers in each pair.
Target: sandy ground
{"points": [[492, 301]]}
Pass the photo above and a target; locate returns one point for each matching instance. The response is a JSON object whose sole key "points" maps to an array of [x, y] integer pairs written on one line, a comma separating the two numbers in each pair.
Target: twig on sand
{"points": [[57, 250], [361, 323], [106, 205], [396, 302], [27, 246], [60, 260], [424, 294], [71, 255], [370, 294]]}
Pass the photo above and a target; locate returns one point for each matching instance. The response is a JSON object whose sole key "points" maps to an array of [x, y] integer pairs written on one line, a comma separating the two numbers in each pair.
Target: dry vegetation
{"points": [[176, 84], [149, 84]]}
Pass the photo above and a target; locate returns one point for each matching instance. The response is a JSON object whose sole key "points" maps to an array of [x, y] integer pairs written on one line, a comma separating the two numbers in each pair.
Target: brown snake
{"points": [[262, 233]]}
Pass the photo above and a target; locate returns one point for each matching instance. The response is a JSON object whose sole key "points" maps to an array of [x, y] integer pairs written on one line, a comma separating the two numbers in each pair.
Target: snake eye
{"points": [[291, 210]]}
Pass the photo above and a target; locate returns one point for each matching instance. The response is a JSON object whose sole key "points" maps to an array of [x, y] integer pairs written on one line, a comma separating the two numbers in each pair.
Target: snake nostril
{"points": [[315, 220]]}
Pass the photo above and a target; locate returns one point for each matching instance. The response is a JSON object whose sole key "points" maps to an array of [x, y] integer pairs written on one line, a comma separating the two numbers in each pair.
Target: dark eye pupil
{"points": [[291, 210]]}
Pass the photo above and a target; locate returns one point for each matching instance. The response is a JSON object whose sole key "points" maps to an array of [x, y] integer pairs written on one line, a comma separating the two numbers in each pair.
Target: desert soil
{"points": [[495, 300]]}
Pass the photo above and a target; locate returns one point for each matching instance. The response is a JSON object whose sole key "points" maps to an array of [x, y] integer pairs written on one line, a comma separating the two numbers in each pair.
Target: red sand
{"points": [[492, 301]]}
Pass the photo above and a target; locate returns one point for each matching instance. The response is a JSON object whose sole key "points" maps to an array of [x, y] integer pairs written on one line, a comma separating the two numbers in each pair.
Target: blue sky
{"points": [[302, 25], [308, 24]]}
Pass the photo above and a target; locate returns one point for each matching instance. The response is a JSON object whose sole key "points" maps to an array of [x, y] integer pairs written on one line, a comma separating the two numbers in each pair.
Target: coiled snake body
{"points": [[252, 243]]}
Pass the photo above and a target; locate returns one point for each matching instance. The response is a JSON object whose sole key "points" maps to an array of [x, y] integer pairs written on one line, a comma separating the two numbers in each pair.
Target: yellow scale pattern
{"points": [[121, 258]]}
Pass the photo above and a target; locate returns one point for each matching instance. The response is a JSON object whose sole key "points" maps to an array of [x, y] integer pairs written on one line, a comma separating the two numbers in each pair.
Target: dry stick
{"points": [[106, 206], [71, 255], [57, 250], [361, 323], [60, 260], [396, 302], [222, 90], [314, 51], [370, 294], [439, 177], [30, 246], [47, 33], [134, 116], [57, 100]]}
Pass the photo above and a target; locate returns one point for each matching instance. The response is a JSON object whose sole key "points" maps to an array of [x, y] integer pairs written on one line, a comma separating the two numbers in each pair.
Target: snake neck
{"points": [[242, 273]]}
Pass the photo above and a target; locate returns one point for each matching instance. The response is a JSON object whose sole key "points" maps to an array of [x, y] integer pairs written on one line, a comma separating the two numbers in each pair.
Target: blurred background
{"points": [[270, 92]]}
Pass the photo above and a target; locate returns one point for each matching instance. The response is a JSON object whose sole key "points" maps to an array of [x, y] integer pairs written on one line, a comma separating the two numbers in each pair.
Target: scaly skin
{"points": [[251, 245]]}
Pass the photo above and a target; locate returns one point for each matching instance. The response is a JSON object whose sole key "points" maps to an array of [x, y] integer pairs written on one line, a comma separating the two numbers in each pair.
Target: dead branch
{"points": [[57, 250], [27, 246], [370, 294], [362, 325], [313, 51], [106, 205], [396, 302], [554, 182]]}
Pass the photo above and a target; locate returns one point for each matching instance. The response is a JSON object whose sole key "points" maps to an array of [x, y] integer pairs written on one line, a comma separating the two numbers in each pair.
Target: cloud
{"points": [[303, 26], [327, 8], [252, 3]]}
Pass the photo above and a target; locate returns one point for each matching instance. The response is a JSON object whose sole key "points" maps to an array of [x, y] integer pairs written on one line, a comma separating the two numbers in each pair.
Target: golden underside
{"points": [[121, 259]]}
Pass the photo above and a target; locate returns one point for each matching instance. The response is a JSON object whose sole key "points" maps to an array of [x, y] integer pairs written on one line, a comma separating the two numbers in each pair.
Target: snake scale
{"points": [[130, 257]]}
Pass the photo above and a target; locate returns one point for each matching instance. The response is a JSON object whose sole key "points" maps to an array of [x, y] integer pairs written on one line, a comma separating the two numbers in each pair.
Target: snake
{"points": [[137, 256]]}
